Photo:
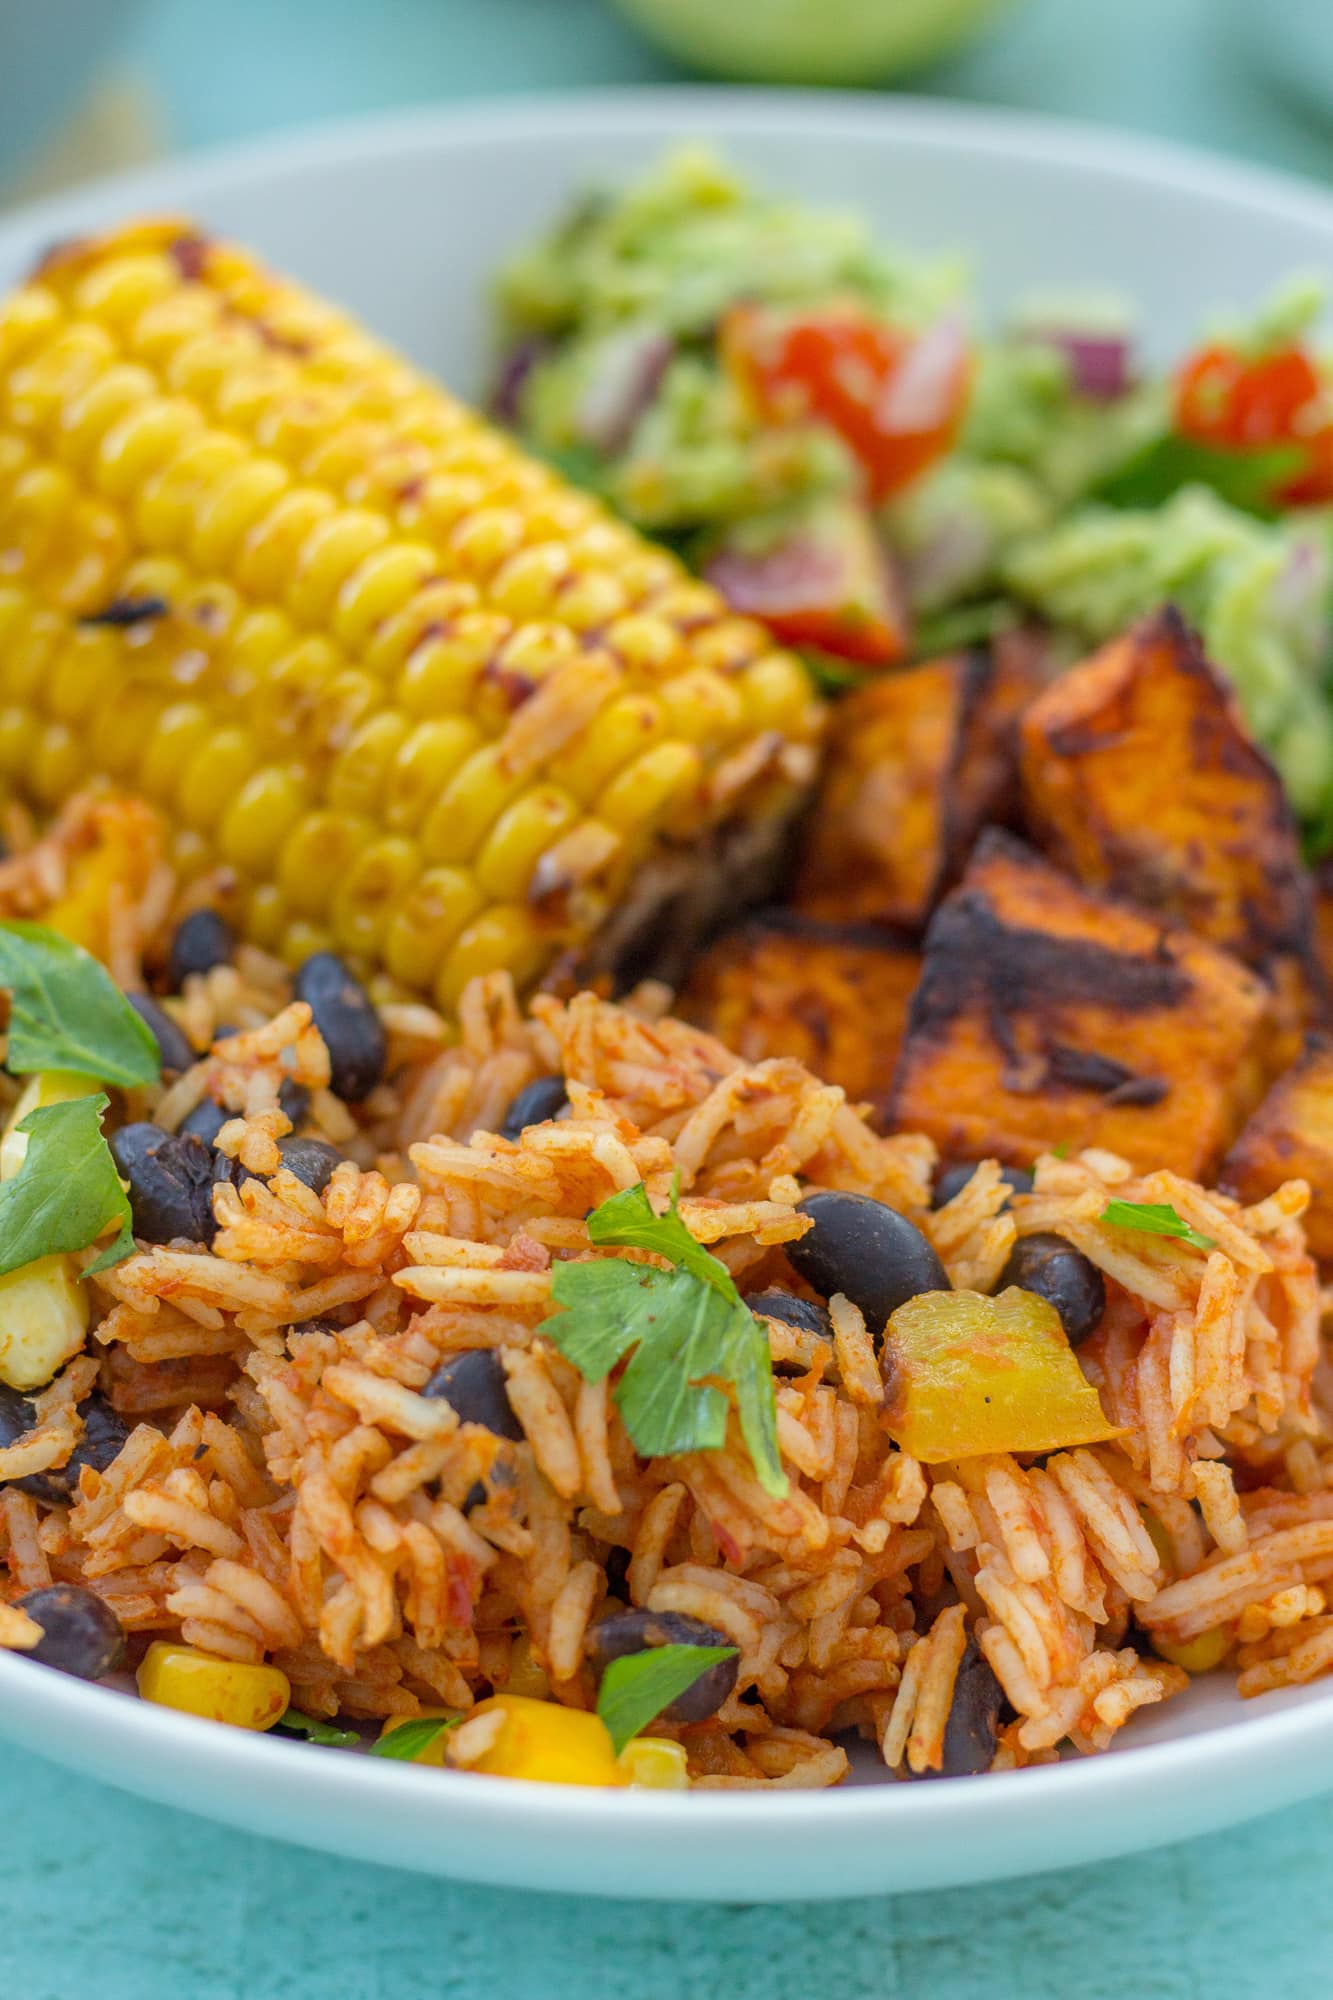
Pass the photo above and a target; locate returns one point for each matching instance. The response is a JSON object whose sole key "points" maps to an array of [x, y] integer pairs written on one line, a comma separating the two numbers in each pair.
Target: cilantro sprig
{"points": [[685, 1330], [66, 1012], [1155, 1218], [409, 1739], [638, 1686], [67, 1193], [295, 1722]]}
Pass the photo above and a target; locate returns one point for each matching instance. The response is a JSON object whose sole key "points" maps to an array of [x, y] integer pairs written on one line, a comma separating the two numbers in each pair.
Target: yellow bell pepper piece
{"points": [[1199, 1655], [655, 1764], [43, 1305], [248, 1697], [969, 1375], [435, 1749], [548, 1743]]}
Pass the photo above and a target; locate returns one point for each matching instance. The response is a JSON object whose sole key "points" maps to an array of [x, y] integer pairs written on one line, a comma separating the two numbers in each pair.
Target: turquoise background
{"points": [[105, 1897]]}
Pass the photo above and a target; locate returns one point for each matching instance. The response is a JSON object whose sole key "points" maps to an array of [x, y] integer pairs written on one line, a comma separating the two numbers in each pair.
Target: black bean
{"points": [[204, 1122], [201, 941], [104, 1434], [81, 1634], [473, 1384], [170, 1181], [865, 1249], [172, 1044], [804, 1314], [293, 1100], [346, 1018], [545, 1097], [616, 1564], [955, 1178], [640, 1631], [974, 1714], [311, 1160], [1056, 1271]]}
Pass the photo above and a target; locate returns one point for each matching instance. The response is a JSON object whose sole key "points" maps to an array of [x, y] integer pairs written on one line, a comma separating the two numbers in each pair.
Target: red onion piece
{"points": [[629, 372], [515, 367], [1098, 362]]}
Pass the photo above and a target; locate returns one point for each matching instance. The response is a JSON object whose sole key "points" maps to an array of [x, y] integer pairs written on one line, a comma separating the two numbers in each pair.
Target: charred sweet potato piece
{"points": [[1046, 1016], [919, 761], [834, 996], [1290, 1137], [1141, 778]]}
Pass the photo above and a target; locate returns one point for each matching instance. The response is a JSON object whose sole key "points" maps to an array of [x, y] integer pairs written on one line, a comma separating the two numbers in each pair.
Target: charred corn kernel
{"points": [[519, 838], [248, 1697], [423, 765], [433, 1752], [1201, 1655], [49, 1086], [260, 817], [380, 877], [366, 585], [547, 1743], [503, 939], [427, 921], [655, 1764], [315, 857]]}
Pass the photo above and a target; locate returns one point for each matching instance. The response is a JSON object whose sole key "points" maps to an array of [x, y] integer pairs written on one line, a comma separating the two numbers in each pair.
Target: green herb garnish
{"points": [[1250, 480], [410, 1738], [638, 1686], [1154, 1218], [689, 1330], [67, 1191], [313, 1727], [66, 1012]]}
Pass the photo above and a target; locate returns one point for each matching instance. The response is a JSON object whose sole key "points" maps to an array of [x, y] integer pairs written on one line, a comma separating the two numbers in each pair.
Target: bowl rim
{"points": [[1230, 1748]]}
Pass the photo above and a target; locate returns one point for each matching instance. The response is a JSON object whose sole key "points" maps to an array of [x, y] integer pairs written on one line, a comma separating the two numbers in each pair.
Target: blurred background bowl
{"points": [[810, 41], [51, 51]]}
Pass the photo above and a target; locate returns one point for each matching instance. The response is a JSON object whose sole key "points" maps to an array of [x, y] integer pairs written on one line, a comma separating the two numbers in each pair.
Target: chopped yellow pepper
{"points": [[43, 1305], [433, 1752], [1199, 1655], [549, 1743], [655, 1764], [969, 1375], [248, 1697]]}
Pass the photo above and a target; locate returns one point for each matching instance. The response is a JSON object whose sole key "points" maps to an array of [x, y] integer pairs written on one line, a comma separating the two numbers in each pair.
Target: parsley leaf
{"points": [[688, 1329], [1250, 480], [66, 1011], [314, 1728], [409, 1739], [67, 1190], [1154, 1218], [638, 1686]]}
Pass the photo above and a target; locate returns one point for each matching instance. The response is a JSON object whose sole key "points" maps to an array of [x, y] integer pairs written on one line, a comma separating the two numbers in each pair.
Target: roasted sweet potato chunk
{"points": [[1047, 1017], [834, 996], [918, 762], [1141, 778], [1290, 1137]]}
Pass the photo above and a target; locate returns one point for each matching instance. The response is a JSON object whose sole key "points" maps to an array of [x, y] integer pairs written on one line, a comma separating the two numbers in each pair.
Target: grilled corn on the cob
{"points": [[421, 700]]}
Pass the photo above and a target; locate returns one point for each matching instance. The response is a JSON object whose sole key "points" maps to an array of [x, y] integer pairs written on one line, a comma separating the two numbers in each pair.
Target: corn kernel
{"points": [[519, 838], [427, 921], [504, 938], [359, 773], [434, 1751], [43, 1321], [316, 856], [647, 790], [1199, 1655], [469, 806], [552, 1745], [196, 1683], [423, 765], [655, 1764], [377, 879], [260, 817]]}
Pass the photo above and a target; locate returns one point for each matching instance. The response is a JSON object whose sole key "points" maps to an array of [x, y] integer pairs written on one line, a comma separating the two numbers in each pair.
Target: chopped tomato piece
{"points": [[969, 1375], [827, 583], [1233, 403], [895, 398]]}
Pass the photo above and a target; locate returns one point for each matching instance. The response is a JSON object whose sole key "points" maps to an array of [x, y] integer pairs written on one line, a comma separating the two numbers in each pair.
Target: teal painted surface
{"points": [[104, 1896]]}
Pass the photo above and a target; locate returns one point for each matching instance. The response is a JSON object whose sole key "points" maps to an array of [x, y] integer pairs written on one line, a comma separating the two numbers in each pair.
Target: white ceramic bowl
{"points": [[404, 220]]}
